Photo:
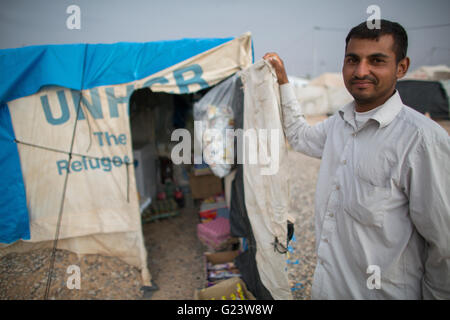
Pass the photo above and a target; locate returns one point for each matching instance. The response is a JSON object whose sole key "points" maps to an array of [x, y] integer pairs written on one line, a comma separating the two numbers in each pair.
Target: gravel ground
{"points": [[302, 257], [24, 277], [175, 257]]}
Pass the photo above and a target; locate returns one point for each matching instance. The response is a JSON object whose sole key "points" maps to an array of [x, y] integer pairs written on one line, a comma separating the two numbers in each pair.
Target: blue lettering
{"points": [[122, 139], [183, 83], [106, 163], [151, 82], [84, 162], [94, 108], [76, 96], [117, 161], [76, 166], [114, 101], [110, 137], [65, 115], [62, 165], [100, 137], [97, 163]]}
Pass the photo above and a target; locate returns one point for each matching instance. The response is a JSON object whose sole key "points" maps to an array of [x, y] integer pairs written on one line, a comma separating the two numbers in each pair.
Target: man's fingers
{"points": [[273, 59], [278, 65], [271, 56]]}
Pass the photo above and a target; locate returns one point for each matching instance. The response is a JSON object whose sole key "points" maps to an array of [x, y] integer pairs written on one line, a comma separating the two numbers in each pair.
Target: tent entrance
{"points": [[153, 118], [169, 222]]}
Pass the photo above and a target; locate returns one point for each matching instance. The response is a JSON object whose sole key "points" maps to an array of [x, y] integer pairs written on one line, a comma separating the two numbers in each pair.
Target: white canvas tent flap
{"points": [[266, 181]]}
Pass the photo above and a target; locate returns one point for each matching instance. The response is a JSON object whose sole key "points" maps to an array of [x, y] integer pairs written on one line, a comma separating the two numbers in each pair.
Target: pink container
{"points": [[214, 233]]}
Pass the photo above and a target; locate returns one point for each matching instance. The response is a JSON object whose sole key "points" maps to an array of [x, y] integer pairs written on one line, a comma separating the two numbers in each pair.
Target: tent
{"points": [[65, 137], [432, 73], [426, 89], [323, 95], [425, 97], [298, 82]]}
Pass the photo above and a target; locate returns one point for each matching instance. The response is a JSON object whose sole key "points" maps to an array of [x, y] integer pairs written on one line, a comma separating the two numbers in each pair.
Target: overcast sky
{"points": [[283, 26]]}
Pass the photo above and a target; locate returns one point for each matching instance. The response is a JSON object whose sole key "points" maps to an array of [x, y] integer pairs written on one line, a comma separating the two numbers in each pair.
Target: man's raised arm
{"points": [[302, 137]]}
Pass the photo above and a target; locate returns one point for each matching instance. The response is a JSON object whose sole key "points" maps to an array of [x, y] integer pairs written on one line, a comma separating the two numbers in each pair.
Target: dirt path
{"points": [[175, 256]]}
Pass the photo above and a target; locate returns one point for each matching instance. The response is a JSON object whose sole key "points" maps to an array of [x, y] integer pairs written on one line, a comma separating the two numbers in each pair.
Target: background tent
{"points": [[432, 73], [425, 97], [426, 89], [66, 143], [322, 95]]}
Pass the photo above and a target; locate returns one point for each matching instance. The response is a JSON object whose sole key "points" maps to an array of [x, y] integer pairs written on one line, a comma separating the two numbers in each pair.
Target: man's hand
{"points": [[278, 66]]}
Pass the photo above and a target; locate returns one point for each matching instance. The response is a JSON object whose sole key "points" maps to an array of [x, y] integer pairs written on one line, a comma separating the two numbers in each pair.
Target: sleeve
{"points": [[429, 206], [302, 137]]}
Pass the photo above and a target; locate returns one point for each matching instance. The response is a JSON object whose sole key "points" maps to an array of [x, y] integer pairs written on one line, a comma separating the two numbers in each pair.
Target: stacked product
{"points": [[212, 208], [222, 271], [214, 234]]}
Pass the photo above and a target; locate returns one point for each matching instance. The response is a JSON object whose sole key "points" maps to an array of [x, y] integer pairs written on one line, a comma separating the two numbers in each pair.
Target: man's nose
{"points": [[362, 69]]}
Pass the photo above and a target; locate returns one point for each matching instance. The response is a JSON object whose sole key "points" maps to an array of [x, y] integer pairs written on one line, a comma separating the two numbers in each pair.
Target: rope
{"points": [[128, 182], [61, 151], [58, 225], [90, 131], [66, 178], [277, 244], [79, 155], [429, 27], [70, 154]]}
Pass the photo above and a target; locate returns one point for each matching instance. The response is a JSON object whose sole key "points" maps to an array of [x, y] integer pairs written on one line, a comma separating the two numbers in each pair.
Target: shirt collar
{"points": [[383, 116]]}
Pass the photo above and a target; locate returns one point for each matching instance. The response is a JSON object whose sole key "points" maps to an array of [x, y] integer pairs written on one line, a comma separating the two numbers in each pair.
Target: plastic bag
{"points": [[215, 112]]}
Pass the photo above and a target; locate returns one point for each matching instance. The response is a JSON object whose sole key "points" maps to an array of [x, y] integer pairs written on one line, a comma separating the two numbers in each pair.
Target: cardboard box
{"points": [[205, 186], [225, 290], [202, 169], [216, 258], [221, 257]]}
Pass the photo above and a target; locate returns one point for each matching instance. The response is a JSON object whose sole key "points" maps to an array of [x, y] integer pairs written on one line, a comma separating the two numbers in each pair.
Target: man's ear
{"points": [[402, 67]]}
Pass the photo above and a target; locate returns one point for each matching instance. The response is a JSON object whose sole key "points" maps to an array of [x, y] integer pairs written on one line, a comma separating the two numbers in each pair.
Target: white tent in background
{"points": [[323, 95], [432, 73], [298, 82], [329, 80]]}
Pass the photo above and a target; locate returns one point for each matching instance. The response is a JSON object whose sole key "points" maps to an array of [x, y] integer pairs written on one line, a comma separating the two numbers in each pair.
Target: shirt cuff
{"points": [[287, 93]]}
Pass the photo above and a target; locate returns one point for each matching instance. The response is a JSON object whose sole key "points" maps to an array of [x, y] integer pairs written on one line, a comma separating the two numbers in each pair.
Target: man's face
{"points": [[370, 70]]}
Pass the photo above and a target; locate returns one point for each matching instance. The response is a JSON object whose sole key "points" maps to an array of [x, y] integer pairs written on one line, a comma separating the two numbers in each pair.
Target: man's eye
{"points": [[351, 60], [378, 60]]}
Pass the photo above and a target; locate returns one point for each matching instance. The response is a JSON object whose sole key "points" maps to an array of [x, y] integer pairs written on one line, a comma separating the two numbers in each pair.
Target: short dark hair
{"points": [[361, 31]]}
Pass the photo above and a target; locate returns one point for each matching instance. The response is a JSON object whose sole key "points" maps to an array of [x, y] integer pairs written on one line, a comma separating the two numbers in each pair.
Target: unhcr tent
{"points": [[65, 137]]}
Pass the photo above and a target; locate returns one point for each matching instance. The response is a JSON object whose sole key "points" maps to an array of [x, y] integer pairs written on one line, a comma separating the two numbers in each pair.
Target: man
{"points": [[383, 191]]}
